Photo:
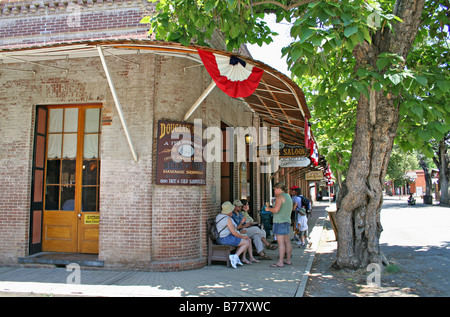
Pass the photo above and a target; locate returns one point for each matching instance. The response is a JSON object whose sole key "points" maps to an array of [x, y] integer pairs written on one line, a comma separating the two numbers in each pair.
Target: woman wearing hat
{"points": [[230, 236]]}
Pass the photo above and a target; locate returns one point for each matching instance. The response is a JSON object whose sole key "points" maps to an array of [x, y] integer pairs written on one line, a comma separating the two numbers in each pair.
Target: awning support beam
{"points": [[117, 102], [199, 100]]}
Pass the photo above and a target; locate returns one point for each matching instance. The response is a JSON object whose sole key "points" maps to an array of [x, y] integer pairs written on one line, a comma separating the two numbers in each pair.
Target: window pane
{"points": [[53, 171], [92, 120], [89, 198], [67, 198], [68, 172], [70, 146], [90, 172], [71, 120], [52, 198], [90, 146], [54, 146], [55, 122]]}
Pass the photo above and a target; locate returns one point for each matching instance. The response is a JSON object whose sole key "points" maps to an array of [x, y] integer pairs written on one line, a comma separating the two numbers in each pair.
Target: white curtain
{"points": [[90, 146], [54, 146], [91, 121], [55, 120]]}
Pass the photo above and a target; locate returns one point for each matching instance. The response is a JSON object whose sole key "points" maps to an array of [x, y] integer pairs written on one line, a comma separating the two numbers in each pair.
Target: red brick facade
{"points": [[142, 225], [45, 22]]}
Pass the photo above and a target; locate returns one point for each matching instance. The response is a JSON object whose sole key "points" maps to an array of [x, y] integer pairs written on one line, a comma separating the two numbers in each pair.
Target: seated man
{"points": [[251, 228]]}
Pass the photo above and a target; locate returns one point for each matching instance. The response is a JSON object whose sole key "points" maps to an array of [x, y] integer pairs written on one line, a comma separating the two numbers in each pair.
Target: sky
{"points": [[271, 54]]}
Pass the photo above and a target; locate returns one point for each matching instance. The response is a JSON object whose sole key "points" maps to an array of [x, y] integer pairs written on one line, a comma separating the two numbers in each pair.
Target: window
{"points": [[73, 165]]}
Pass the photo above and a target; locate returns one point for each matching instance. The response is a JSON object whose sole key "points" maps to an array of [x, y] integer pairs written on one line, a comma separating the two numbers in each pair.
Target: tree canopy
{"points": [[321, 59]]}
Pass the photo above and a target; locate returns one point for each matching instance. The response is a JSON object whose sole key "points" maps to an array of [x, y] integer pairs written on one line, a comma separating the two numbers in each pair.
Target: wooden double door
{"points": [[66, 179]]}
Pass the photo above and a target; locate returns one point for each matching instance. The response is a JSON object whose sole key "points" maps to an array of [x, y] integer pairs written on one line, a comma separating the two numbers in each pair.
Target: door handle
{"points": [[79, 216]]}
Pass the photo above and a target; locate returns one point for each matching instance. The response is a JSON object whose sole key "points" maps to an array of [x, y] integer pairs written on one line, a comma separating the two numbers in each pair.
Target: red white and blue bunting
{"points": [[231, 74], [314, 153]]}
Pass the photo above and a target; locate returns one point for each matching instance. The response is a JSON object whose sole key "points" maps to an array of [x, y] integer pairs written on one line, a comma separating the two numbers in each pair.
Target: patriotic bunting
{"points": [[307, 133], [231, 74], [328, 174], [314, 153]]}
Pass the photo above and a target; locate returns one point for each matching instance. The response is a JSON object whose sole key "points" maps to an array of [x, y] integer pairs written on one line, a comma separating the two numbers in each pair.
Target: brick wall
{"points": [[27, 23], [142, 225]]}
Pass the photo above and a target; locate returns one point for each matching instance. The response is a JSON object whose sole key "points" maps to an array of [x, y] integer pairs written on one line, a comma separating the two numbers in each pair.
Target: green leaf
{"points": [[418, 110], [305, 34], [425, 135], [377, 86], [209, 6], [382, 63], [421, 80], [394, 78], [443, 85], [349, 31]]}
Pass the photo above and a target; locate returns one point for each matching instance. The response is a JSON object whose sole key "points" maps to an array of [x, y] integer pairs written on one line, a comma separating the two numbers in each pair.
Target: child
{"points": [[302, 226]]}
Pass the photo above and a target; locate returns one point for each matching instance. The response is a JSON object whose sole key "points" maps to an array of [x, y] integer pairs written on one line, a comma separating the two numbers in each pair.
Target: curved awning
{"points": [[277, 99]]}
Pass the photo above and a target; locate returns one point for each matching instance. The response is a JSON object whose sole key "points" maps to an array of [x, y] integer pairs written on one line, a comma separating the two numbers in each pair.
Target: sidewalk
{"points": [[255, 280]]}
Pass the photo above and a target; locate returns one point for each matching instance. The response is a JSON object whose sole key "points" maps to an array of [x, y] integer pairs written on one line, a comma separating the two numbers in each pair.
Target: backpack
{"points": [[213, 233], [305, 202]]}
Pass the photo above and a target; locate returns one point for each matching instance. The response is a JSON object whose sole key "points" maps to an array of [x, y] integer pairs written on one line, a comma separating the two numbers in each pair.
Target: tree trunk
{"points": [[442, 162], [361, 197]]}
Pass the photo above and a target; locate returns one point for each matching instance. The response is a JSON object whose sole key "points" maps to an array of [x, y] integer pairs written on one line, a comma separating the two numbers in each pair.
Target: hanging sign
{"points": [[179, 157], [314, 176], [294, 161], [282, 149]]}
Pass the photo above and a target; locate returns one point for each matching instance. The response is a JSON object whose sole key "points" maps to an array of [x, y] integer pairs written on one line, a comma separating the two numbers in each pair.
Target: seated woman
{"points": [[230, 236]]}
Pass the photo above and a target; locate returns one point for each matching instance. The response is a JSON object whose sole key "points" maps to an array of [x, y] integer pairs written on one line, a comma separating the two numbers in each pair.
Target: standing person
{"points": [[281, 223], [302, 225], [297, 203]]}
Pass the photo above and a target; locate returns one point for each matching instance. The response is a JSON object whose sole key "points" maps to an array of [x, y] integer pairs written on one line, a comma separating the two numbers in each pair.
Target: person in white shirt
{"points": [[302, 226]]}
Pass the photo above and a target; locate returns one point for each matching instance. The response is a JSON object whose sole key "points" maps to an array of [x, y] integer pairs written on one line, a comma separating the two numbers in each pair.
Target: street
{"points": [[418, 239], [415, 240]]}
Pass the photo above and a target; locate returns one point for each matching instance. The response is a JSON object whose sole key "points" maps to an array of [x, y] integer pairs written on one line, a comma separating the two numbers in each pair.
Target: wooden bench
{"points": [[217, 252]]}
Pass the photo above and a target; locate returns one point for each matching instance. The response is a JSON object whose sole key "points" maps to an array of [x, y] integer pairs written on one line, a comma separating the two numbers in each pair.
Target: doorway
{"points": [[71, 178]]}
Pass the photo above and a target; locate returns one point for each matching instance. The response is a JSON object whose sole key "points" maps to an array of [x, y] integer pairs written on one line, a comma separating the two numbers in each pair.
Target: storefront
{"points": [[86, 166]]}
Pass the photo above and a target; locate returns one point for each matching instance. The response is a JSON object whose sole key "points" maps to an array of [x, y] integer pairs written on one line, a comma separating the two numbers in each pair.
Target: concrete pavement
{"points": [[255, 280]]}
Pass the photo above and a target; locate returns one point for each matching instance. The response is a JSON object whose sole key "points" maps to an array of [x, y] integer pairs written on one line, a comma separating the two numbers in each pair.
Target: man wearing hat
{"points": [[237, 216]]}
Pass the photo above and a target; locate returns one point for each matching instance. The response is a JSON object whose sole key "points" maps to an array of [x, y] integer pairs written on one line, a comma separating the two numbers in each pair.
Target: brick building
{"points": [[79, 136]]}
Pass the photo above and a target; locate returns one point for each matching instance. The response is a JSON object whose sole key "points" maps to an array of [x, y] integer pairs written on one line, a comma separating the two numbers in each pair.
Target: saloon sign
{"points": [[282, 149], [179, 159]]}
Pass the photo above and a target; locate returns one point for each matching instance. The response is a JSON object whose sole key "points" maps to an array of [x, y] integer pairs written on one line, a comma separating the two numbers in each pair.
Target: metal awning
{"points": [[278, 100]]}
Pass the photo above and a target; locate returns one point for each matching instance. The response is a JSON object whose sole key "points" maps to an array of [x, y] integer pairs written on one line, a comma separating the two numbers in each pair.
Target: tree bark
{"points": [[361, 197], [442, 162]]}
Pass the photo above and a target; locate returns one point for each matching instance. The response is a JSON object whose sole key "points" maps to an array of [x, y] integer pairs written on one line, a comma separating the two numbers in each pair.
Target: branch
{"points": [[283, 6]]}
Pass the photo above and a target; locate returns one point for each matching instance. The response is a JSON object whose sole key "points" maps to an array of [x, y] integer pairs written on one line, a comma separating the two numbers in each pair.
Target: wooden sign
{"points": [[301, 161], [282, 149], [314, 176], [179, 157]]}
